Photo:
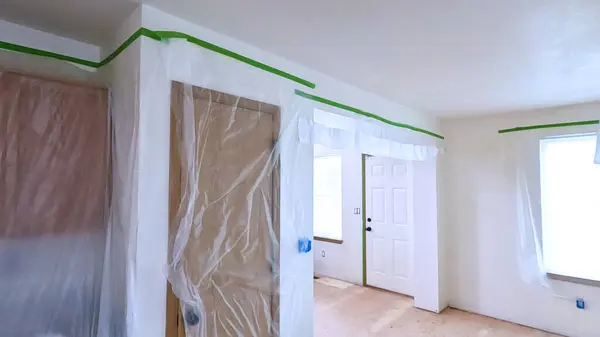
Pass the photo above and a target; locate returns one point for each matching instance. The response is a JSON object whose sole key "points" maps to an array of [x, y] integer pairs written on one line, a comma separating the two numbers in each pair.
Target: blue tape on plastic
{"points": [[304, 245]]}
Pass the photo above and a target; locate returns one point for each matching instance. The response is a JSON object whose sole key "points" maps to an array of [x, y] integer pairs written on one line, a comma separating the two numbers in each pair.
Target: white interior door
{"points": [[389, 227]]}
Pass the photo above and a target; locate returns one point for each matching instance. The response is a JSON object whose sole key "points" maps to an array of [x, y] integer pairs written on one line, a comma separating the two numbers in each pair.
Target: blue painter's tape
{"points": [[304, 245]]}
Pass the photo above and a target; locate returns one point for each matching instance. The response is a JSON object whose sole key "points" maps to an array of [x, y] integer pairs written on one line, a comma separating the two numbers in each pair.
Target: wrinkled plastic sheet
{"points": [[524, 158], [239, 201], [54, 193], [225, 240], [241, 194], [342, 132], [231, 207]]}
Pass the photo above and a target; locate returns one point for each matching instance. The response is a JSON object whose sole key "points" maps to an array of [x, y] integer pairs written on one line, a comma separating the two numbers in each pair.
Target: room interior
{"points": [[204, 168]]}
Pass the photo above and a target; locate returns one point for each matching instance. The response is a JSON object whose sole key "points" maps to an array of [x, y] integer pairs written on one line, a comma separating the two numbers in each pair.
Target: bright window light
{"points": [[570, 184], [328, 197]]}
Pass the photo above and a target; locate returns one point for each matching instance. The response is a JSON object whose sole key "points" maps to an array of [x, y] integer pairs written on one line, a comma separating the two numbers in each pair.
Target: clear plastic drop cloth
{"points": [[240, 199], [340, 130], [526, 158], [241, 163], [54, 198]]}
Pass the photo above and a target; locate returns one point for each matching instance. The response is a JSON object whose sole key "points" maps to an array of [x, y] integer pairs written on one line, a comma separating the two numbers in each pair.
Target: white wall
{"points": [[427, 243], [327, 86], [479, 206], [128, 285], [189, 64], [29, 37], [344, 261], [36, 65]]}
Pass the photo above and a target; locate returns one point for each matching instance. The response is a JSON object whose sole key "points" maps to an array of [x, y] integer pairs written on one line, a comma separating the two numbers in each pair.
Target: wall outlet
{"points": [[580, 303], [357, 211], [322, 253]]}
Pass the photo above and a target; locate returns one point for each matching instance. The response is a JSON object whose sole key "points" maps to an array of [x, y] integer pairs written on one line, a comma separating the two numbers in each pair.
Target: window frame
{"points": [[555, 133]]}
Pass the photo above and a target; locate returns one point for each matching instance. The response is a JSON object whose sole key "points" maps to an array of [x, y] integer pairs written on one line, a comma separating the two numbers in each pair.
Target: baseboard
{"points": [[457, 307]]}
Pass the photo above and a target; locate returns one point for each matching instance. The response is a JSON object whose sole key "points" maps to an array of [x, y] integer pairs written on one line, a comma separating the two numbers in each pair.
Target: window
{"points": [[328, 197], [570, 183]]}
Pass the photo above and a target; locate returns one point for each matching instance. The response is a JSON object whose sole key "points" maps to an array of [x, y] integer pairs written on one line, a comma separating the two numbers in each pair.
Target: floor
{"points": [[342, 309]]}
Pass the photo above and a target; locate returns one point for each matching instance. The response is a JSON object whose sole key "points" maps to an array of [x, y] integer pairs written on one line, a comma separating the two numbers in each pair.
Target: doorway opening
{"points": [[354, 292]]}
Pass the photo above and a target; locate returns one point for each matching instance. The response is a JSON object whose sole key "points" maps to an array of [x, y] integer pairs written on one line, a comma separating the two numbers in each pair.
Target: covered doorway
{"points": [[224, 210]]}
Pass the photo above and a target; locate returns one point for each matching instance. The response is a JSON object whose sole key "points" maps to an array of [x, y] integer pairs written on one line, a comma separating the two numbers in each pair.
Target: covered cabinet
{"points": [[54, 178]]}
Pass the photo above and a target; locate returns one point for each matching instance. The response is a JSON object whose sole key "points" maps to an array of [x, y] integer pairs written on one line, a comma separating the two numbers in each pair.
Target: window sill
{"points": [[338, 242], [592, 283]]}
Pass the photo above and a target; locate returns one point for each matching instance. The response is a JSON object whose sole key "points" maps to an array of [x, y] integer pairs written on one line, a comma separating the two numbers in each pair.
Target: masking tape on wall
{"points": [[165, 35], [158, 36], [547, 126], [364, 113]]}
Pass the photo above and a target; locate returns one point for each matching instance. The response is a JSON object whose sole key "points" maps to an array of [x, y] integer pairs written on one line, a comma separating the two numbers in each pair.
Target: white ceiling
{"points": [[91, 21], [448, 57]]}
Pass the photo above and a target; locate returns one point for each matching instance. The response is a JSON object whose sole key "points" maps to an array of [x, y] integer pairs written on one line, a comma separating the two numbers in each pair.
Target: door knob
{"points": [[368, 219], [191, 317], [368, 229]]}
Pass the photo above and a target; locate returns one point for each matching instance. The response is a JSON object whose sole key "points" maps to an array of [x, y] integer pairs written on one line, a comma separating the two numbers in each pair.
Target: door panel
{"points": [[378, 253], [378, 205], [389, 212], [399, 209], [230, 254], [401, 258]]}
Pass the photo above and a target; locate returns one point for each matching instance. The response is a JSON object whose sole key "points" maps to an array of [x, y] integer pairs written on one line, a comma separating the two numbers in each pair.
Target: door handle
{"points": [[191, 317], [368, 229], [368, 219]]}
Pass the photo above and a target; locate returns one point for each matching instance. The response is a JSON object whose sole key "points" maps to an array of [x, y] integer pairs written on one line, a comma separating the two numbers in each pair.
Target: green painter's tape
{"points": [[44, 53], [547, 126], [129, 42], [158, 36], [364, 220], [234, 55], [364, 113]]}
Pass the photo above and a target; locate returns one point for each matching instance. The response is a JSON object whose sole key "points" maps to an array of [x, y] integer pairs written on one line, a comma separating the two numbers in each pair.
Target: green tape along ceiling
{"points": [[165, 35], [364, 113], [158, 36], [548, 126]]}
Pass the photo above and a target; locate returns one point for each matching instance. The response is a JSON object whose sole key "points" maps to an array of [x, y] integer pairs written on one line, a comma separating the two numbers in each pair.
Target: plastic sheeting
{"points": [[235, 197], [240, 198], [54, 192], [362, 135], [241, 194], [525, 152], [225, 253]]}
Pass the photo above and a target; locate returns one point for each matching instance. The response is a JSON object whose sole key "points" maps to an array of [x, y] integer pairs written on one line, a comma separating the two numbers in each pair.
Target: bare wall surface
{"points": [[35, 65], [480, 219]]}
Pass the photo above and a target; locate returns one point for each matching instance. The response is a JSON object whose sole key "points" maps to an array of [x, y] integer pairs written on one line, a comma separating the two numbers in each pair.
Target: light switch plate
{"points": [[357, 211]]}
